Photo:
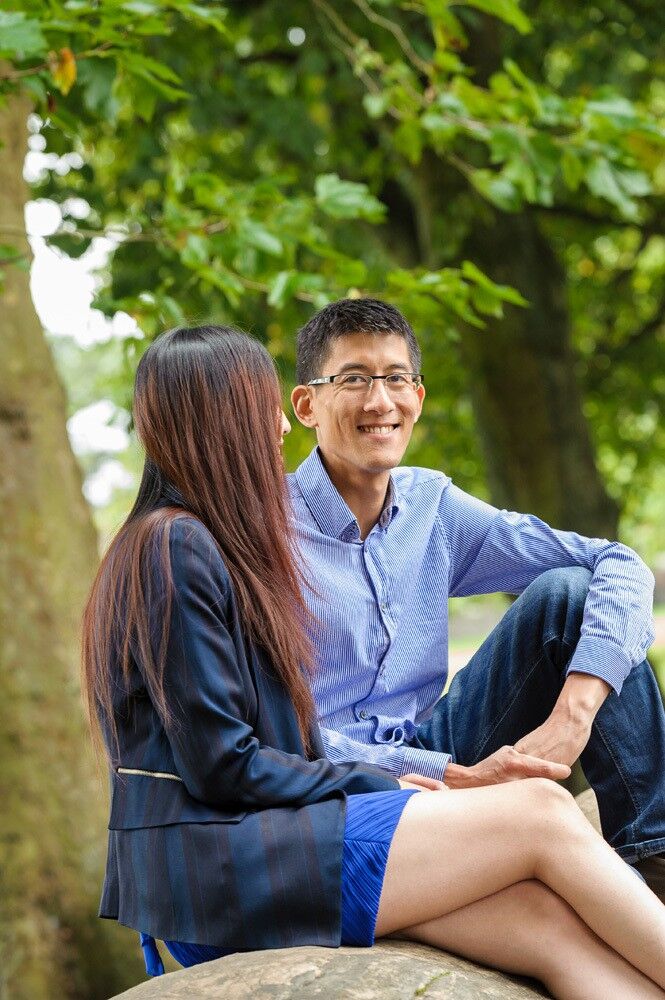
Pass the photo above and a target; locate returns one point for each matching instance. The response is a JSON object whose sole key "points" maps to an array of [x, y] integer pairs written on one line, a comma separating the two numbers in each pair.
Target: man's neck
{"points": [[364, 493]]}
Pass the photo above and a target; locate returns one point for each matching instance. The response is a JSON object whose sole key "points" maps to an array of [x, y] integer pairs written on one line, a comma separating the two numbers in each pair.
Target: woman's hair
{"points": [[207, 409]]}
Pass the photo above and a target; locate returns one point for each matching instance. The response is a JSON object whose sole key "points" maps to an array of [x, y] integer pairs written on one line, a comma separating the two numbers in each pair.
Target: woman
{"points": [[229, 829]]}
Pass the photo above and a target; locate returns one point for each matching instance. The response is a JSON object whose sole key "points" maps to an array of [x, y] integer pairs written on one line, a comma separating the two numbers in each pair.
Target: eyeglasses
{"points": [[395, 383]]}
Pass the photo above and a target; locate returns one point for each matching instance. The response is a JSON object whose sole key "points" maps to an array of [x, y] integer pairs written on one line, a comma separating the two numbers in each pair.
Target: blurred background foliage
{"points": [[495, 169]]}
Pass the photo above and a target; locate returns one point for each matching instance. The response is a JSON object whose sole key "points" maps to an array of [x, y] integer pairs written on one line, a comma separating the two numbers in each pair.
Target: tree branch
{"points": [[398, 34], [583, 215], [17, 74]]}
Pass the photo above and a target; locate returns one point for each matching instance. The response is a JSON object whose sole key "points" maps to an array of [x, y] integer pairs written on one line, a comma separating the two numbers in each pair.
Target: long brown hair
{"points": [[207, 410]]}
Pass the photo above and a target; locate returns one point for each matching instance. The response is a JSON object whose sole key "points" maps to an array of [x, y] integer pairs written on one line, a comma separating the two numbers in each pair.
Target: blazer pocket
{"points": [[141, 799]]}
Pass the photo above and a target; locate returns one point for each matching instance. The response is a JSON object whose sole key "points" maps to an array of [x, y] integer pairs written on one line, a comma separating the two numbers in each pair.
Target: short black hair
{"points": [[345, 317]]}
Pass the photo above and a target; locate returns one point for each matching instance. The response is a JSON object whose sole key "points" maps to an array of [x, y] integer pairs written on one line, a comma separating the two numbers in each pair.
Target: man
{"points": [[564, 673]]}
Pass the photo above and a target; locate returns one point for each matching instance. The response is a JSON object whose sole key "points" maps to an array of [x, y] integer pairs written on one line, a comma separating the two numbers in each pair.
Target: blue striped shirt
{"points": [[381, 604]]}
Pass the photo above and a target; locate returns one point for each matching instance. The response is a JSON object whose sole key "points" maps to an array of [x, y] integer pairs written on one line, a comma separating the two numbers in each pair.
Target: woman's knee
{"points": [[550, 804]]}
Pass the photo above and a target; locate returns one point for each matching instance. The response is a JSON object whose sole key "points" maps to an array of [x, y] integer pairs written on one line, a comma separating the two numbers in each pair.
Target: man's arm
{"points": [[500, 550], [564, 735], [496, 550], [397, 760]]}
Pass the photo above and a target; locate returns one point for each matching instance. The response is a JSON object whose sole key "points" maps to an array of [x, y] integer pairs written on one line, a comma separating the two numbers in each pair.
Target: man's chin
{"points": [[376, 464]]}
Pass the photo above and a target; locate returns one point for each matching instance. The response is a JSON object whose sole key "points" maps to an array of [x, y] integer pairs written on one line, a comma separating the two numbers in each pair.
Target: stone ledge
{"points": [[391, 970]]}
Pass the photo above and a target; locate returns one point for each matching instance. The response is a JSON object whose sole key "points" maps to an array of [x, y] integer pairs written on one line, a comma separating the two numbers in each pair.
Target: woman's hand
{"points": [[422, 784]]}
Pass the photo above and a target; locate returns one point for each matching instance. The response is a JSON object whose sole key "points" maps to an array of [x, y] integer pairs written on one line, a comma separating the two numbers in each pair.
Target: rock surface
{"points": [[589, 806], [392, 970]]}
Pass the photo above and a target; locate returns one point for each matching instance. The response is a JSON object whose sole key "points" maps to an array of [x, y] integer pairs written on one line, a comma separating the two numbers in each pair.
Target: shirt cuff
{"points": [[601, 658], [429, 763]]}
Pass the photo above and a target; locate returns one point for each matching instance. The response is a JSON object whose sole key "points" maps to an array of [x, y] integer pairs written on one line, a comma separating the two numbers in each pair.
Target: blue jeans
{"points": [[511, 685]]}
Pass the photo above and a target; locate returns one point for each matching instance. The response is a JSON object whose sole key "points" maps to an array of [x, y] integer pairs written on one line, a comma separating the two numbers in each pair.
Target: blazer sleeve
{"points": [[215, 750]]}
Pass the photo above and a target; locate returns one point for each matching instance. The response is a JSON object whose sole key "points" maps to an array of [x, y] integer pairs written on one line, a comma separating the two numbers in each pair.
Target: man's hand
{"points": [[558, 739], [507, 764], [564, 735], [422, 783]]}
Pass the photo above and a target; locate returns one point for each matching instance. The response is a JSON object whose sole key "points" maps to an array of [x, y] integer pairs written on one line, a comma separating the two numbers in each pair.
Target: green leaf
{"points": [[572, 169], [346, 199], [604, 183], [408, 139], [72, 244], [376, 105], [497, 189], [141, 7], [258, 236], [506, 10], [486, 302], [281, 288], [20, 36], [634, 182], [505, 141], [442, 130], [213, 15], [196, 251], [96, 78], [617, 109], [504, 292], [473, 273], [227, 282]]}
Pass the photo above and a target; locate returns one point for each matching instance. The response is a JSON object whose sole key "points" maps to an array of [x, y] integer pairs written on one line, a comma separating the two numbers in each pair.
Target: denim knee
{"points": [[569, 584]]}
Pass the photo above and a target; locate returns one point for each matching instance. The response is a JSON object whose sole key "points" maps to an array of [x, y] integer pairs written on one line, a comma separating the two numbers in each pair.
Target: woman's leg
{"points": [[454, 848], [528, 930]]}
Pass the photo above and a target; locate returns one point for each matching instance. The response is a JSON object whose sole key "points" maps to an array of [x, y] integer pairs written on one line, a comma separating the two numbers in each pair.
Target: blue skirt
{"points": [[371, 821]]}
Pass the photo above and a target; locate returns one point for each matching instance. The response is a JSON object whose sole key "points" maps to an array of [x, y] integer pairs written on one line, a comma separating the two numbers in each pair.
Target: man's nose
{"points": [[378, 397]]}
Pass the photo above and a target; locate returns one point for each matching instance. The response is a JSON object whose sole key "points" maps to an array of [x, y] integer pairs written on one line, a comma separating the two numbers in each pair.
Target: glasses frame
{"points": [[330, 379]]}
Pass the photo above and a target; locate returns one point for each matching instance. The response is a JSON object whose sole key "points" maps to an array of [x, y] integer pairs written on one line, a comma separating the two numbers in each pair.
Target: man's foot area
{"points": [[652, 871]]}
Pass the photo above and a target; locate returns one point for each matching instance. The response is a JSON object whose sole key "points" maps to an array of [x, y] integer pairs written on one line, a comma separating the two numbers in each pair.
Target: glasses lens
{"points": [[395, 384], [399, 382], [352, 381]]}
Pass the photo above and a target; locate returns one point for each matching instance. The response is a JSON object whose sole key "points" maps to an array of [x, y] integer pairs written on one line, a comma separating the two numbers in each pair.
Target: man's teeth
{"points": [[382, 429]]}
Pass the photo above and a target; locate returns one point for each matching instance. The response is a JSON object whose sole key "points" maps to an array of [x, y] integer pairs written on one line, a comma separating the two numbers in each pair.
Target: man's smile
{"points": [[381, 429]]}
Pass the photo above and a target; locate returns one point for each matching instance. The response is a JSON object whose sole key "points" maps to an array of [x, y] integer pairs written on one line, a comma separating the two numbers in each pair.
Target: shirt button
{"points": [[384, 607], [363, 714]]}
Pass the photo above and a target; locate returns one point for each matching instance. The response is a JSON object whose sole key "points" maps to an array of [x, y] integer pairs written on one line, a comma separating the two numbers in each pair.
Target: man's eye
{"points": [[353, 380], [397, 379]]}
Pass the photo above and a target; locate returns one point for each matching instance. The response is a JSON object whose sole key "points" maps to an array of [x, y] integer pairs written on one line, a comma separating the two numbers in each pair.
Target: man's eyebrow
{"points": [[356, 366]]}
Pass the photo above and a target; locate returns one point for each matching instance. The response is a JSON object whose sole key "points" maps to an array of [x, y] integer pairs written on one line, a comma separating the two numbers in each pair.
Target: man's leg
{"points": [[511, 685]]}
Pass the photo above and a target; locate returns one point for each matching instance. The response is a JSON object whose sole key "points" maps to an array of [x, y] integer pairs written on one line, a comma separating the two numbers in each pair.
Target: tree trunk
{"points": [[527, 400], [52, 799]]}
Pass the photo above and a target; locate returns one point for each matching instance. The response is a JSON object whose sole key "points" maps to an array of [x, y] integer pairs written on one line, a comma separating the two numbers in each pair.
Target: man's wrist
{"points": [[457, 776], [581, 697]]}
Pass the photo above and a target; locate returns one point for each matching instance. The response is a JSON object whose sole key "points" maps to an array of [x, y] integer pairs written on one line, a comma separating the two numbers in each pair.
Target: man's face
{"points": [[362, 431]]}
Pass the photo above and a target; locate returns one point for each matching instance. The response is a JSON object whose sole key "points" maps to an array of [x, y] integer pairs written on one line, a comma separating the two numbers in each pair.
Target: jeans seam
{"points": [[507, 709]]}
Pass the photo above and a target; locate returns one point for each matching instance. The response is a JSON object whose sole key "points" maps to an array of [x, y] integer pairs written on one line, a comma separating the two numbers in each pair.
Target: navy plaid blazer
{"points": [[221, 832]]}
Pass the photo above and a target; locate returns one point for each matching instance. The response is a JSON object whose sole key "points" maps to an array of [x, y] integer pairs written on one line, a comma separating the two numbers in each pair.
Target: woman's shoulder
{"points": [[194, 552]]}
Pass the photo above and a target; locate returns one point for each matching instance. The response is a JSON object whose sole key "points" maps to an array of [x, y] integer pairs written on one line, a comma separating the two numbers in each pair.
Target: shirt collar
{"points": [[327, 506]]}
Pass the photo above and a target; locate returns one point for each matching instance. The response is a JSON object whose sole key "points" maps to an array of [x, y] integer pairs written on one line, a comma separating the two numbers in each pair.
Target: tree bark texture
{"points": [[51, 793], [526, 395]]}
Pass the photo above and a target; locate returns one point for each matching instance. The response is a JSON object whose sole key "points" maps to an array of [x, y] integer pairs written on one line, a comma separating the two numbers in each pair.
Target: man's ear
{"points": [[420, 392], [301, 400]]}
